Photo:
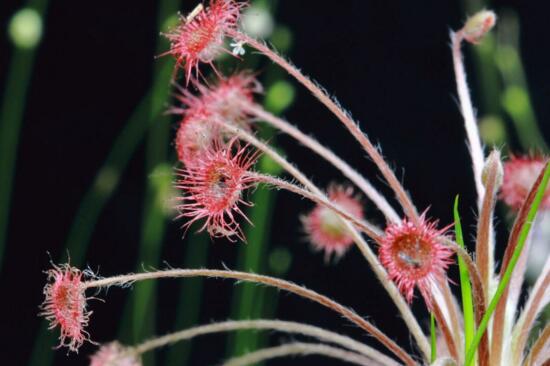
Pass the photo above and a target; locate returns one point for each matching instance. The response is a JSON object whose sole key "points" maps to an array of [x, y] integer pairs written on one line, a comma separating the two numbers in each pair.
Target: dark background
{"points": [[387, 62]]}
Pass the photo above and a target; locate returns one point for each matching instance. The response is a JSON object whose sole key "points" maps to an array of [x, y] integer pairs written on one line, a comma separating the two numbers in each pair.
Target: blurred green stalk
{"points": [[248, 298], [106, 182], [251, 301], [492, 127], [516, 99], [487, 74], [502, 82], [12, 109], [159, 177], [190, 299], [93, 203], [11, 118]]}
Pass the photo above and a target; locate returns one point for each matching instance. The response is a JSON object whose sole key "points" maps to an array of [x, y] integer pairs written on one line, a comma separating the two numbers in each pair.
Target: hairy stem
{"points": [[321, 200], [499, 318], [467, 109], [345, 118], [484, 249], [298, 349], [478, 297], [447, 334], [452, 307], [266, 280], [365, 249], [540, 188], [353, 175], [525, 322], [538, 347], [262, 324]]}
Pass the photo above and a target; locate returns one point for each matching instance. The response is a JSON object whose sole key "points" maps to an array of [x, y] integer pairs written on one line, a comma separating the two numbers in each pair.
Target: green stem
{"points": [[516, 99], [248, 304], [189, 303], [106, 181], [158, 174], [11, 118]]}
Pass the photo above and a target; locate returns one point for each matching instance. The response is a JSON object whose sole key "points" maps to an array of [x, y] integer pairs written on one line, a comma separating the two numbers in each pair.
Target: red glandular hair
{"points": [[213, 189], [65, 306], [414, 256], [201, 38]]}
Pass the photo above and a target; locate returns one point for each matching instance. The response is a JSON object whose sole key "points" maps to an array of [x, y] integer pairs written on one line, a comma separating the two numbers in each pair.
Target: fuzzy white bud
{"points": [[478, 25]]}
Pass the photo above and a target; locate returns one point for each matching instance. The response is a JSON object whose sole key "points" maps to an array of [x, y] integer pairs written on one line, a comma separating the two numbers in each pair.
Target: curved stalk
{"points": [[538, 299], [373, 233], [537, 350], [447, 333], [343, 116], [484, 249], [452, 308], [539, 187], [353, 175], [365, 249], [467, 109], [124, 280], [478, 298], [511, 293], [263, 324], [299, 349]]}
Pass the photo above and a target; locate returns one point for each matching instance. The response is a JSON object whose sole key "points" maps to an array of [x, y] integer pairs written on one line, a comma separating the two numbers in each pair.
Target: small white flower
{"points": [[238, 49]]}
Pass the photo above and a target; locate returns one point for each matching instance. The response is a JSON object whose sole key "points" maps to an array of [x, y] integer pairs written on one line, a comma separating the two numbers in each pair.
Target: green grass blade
{"points": [[508, 273], [465, 286], [433, 339]]}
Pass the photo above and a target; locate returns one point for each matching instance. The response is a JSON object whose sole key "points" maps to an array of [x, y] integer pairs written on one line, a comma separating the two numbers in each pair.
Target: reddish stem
{"points": [[344, 117], [266, 280]]}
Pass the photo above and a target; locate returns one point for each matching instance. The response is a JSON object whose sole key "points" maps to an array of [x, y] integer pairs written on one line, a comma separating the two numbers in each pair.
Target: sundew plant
{"points": [[484, 322]]}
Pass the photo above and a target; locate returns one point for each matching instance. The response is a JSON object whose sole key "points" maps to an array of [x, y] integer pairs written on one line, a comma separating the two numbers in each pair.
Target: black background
{"points": [[387, 61]]}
